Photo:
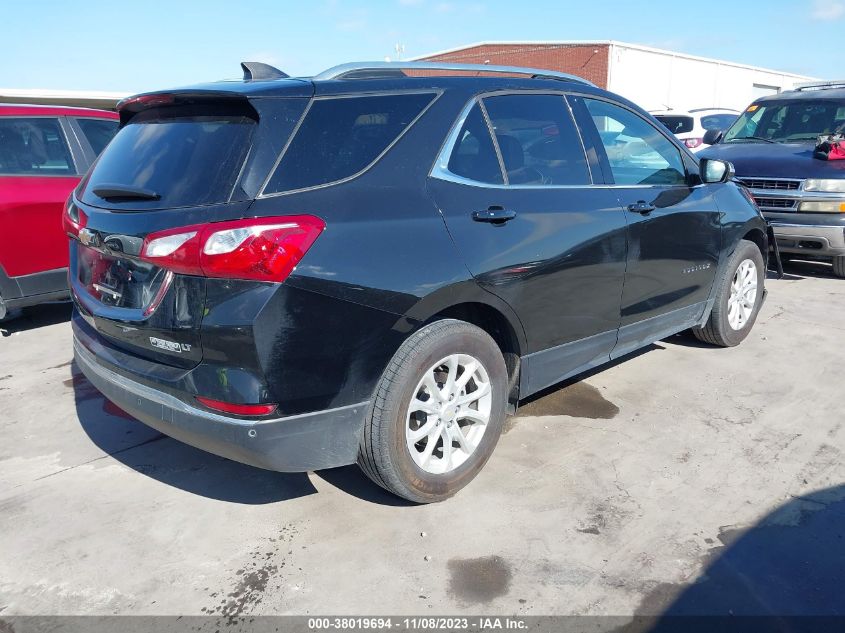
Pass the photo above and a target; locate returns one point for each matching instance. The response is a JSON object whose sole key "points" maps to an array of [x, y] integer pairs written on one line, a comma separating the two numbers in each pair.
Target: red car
{"points": [[44, 151]]}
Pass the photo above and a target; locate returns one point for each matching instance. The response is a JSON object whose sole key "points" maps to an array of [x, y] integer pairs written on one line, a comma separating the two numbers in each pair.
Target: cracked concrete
{"points": [[696, 449]]}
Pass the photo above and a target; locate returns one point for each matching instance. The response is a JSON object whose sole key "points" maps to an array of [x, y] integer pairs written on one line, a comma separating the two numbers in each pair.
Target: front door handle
{"points": [[494, 215], [641, 206]]}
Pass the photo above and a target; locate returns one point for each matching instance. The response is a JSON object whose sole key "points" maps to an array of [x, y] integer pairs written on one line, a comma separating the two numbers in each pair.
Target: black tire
{"points": [[718, 330], [839, 266], [6, 314], [384, 454]]}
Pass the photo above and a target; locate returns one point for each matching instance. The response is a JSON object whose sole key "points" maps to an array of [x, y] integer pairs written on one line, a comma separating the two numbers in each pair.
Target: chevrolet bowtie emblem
{"points": [[89, 237]]}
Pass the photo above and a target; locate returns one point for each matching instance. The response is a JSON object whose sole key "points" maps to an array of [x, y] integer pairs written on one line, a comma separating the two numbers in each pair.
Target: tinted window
{"points": [[717, 121], [187, 159], [638, 153], [675, 123], [33, 146], [785, 121], [98, 132], [538, 140], [342, 136], [474, 156]]}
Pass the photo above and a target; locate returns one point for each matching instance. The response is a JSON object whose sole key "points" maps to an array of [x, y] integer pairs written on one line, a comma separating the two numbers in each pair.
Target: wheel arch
{"points": [[758, 237], [485, 310]]}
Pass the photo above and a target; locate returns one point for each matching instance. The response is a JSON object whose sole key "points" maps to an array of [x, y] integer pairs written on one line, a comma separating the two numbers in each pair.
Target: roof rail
{"points": [[362, 70], [713, 108], [821, 85]]}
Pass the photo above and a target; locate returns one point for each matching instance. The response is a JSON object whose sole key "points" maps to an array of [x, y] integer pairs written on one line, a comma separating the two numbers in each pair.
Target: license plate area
{"points": [[117, 282]]}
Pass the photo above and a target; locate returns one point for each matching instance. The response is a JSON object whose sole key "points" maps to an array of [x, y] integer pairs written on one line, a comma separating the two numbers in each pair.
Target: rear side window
{"points": [[33, 146], [474, 156], [186, 156], [676, 124], [537, 140], [98, 132], [342, 136]]}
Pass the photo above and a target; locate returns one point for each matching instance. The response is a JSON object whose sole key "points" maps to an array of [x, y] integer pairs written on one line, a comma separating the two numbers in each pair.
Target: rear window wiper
{"points": [[753, 138], [126, 192]]}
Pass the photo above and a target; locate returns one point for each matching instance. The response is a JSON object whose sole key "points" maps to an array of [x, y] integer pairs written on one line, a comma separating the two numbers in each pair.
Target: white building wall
{"points": [[657, 80]]}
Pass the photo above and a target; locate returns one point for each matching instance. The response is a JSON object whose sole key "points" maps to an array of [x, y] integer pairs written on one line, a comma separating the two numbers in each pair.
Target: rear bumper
{"points": [[297, 443], [820, 240]]}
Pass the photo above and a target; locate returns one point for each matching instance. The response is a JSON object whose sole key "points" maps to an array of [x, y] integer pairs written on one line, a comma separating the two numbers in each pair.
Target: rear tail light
{"points": [[263, 249], [237, 409], [692, 143], [73, 218]]}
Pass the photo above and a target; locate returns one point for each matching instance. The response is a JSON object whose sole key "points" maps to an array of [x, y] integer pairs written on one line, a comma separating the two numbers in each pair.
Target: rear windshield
{"points": [[340, 137], [717, 121], [184, 159], [676, 124]]}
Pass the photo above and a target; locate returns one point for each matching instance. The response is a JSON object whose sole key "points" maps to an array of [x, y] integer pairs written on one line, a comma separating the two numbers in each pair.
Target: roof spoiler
{"points": [[257, 71], [229, 102]]}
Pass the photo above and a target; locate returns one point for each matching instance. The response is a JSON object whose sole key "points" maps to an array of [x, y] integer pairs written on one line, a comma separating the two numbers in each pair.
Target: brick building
{"points": [[651, 77]]}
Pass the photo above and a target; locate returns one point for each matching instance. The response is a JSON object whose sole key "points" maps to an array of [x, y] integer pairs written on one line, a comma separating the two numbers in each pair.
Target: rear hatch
{"points": [[180, 159]]}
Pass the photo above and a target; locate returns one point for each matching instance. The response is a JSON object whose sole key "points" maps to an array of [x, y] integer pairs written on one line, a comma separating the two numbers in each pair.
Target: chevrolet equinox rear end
{"points": [[374, 265]]}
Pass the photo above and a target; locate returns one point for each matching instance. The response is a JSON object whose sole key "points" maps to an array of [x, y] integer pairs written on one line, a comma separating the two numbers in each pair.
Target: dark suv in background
{"points": [[376, 263], [771, 146]]}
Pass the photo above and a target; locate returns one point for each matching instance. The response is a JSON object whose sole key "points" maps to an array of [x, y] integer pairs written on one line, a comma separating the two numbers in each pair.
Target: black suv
{"points": [[771, 145], [376, 263]]}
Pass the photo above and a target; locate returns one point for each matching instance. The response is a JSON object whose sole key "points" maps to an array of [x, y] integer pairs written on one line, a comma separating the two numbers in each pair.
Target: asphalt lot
{"points": [[684, 479]]}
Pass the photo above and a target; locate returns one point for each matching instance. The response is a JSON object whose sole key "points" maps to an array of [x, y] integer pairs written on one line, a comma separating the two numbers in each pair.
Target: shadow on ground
{"points": [[798, 269], [198, 472], [38, 316], [786, 573]]}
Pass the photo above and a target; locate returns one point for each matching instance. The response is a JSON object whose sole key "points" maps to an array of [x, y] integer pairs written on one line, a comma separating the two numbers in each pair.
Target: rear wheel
{"points": [[738, 297], [437, 413], [839, 266]]}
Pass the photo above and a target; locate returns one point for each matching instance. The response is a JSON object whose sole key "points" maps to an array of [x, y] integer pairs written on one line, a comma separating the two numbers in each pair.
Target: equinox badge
{"points": [[170, 346]]}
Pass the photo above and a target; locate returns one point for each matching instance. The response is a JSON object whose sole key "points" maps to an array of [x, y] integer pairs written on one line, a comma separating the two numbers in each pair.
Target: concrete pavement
{"points": [[609, 495]]}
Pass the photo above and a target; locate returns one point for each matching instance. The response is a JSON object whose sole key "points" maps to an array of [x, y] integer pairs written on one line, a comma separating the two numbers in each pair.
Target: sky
{"points": [[153, 44]]}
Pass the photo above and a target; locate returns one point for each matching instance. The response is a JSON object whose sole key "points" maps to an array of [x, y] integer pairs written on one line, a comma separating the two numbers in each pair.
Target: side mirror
{"points": [[711, 137], [713, 170]]}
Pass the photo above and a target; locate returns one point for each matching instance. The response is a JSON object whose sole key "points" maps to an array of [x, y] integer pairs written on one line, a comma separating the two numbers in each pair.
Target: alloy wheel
{"points": [[743, 294], [448, 413]]}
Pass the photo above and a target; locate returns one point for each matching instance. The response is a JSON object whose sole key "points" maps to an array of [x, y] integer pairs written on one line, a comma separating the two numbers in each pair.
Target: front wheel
{"points": [[839, 266], [739, 294], [5, 313], [437, 414]]}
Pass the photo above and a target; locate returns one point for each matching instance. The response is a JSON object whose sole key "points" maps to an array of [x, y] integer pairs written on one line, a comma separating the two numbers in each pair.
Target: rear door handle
{"points": [[494, 215], [641, 206]]}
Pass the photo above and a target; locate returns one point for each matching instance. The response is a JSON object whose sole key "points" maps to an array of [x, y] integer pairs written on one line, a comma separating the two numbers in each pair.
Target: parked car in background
{"points": [[302, 273], [771, 146], [690, 126], [44, 150]]}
